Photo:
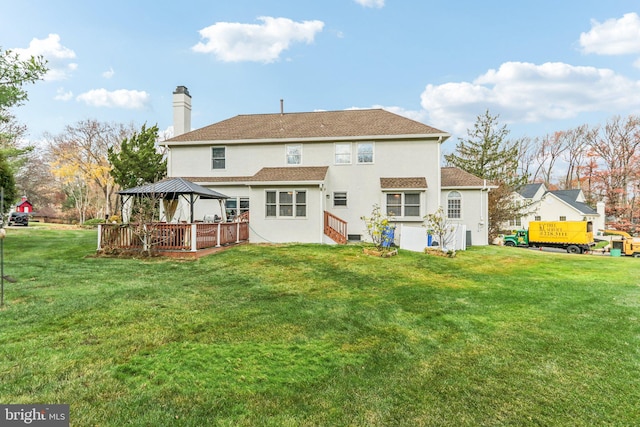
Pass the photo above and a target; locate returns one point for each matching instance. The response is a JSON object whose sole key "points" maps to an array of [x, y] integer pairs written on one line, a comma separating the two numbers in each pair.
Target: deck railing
{"points": [[335, 228], [171, 237]]}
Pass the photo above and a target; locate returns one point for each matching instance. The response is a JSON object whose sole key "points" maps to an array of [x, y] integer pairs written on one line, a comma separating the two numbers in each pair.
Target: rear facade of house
{"points": [[292, 171]]}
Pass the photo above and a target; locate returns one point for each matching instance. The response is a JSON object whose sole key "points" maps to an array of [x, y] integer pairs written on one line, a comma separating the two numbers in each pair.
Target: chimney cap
{"points": [[181, 89]]}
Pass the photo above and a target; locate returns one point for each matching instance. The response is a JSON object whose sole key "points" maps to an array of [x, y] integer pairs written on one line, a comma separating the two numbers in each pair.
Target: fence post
{"points": [[99, 236], [194, 237], [218, 238], [238, 232]]}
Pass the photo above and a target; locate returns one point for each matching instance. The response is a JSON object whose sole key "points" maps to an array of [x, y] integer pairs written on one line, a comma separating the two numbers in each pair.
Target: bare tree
{"points": [[526, 155], [618, 148], [575, 143], [84, 146], [36, 181], [550, 147]]}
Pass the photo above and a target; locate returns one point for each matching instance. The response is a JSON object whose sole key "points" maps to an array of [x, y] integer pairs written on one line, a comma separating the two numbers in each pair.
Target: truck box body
{"points": [[561, 232]]}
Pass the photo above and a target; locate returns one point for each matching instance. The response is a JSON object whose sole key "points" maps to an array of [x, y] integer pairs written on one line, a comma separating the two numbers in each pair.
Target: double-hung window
{"points": [[365, 152], [218, 158], [403, 204], [294, 154], [288, 203], [343, 153], [340, 199]]}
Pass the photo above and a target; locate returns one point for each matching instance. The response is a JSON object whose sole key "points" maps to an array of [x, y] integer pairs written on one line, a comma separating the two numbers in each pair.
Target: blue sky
{"points": [[542, 66]]}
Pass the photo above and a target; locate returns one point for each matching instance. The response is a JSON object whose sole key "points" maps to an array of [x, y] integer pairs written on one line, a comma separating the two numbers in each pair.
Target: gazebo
{"points": [[173, 239], [170, 190]]}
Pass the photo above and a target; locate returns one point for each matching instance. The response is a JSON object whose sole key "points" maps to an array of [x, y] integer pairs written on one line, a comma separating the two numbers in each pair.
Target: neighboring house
{"points": [[557, 205], [298, 172], [24, 206]]}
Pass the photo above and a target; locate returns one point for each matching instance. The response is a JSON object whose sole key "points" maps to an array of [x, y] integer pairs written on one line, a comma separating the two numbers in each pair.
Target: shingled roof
{"points": [[456, 177], [313, 125], [413, 183], [450, 177], [289, 174]]}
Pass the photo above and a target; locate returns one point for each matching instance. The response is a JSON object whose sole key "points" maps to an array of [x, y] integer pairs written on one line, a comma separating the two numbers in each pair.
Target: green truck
{"points": [[575, 237]]}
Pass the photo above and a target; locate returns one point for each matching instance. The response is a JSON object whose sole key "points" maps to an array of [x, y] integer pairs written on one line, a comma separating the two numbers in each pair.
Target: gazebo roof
{"points": [[172, 188]]}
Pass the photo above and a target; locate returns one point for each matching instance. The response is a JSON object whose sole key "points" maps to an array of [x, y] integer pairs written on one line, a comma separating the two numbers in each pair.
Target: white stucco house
{"points": [[557, 205], [302, 176]]}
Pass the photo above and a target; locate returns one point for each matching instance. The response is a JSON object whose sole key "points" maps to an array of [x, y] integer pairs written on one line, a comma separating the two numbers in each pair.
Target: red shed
{"points": [[24, 205]]}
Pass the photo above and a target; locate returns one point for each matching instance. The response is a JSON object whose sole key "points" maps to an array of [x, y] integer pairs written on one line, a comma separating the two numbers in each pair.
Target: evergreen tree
{"points": [[8, 185], [489, 154], [138, 162]]}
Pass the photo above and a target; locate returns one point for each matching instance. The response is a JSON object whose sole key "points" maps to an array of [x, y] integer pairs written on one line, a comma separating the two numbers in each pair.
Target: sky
{"points": [[540, 66]]}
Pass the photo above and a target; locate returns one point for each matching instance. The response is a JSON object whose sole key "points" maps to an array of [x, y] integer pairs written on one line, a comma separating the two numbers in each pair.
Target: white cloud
{"points": [[613, 37], [234, 42], [371, 3], [109, 73], [122, 98], [58, 57], [525, 92], [61, 95]]}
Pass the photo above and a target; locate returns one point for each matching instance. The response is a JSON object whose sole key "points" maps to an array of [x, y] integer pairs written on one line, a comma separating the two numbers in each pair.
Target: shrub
{"points": [[378, 226]]}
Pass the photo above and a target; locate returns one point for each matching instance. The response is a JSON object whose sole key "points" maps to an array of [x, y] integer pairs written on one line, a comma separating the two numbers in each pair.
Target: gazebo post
{"points": [[223, 209], [191, 206]]}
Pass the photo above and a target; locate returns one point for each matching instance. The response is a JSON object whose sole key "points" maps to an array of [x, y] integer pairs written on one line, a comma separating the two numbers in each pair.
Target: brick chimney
{"points": [[181, 111]]}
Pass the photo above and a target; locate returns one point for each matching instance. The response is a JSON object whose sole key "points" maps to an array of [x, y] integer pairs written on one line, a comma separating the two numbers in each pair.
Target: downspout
{"points": [[321, 213], [439, 187], [481, 224]]}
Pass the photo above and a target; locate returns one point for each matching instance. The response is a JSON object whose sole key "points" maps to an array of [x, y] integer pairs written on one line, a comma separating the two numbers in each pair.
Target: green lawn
{"points": [[308, 335]]}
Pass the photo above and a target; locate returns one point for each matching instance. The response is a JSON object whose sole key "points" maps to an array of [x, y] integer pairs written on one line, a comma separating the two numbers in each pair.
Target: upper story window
{"points": [[294, 154], [365, 152], [343, 153], [403, 204], [286, 204], [218, 158], [454, 205], [563, 218]]}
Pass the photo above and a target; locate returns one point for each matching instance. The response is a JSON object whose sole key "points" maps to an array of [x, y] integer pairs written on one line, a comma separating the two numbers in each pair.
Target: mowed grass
{"points": [[310, 335]]}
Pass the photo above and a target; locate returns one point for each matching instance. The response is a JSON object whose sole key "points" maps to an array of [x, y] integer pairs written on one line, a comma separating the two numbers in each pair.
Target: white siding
{"points": [[474, 212], [361, 182]]}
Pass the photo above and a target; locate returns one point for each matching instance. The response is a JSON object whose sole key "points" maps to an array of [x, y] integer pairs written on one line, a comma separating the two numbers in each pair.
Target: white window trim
{"points": [[403, 204], [460, 208], [335, 153], [213, 158], [295, 204], [373, 153], [286, 155], [346, 199], [238, 201]]}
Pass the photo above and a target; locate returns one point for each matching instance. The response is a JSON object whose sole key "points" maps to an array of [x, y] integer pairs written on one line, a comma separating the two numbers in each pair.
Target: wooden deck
{"points": [[183, 240]]}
